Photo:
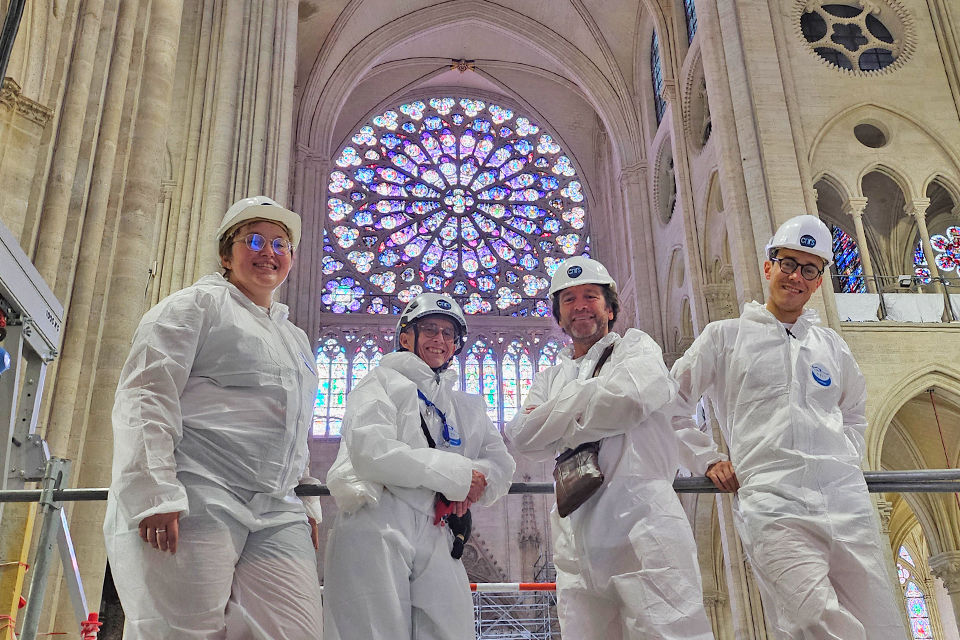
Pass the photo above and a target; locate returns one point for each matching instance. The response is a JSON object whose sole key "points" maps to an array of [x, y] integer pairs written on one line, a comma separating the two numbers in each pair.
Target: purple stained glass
{"points": [[458, 189]]}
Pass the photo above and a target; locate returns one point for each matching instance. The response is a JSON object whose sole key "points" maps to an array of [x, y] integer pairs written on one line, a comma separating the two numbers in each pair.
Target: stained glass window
{"points": [[690, 12], [517, 377], [946, 250], [452, 195], [367, 357], [500, 372], [921, 268], [549, 354], [656, 72], [847, 259], [332, 393], [914, 598]]}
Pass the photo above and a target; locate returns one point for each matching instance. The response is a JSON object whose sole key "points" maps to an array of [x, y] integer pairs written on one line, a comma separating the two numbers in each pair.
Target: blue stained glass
{"points": [[847, 260], [656, 72], [690, 13]]}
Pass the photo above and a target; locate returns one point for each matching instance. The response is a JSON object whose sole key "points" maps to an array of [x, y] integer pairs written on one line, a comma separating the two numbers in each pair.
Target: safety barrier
{"points": [[929, 481]]}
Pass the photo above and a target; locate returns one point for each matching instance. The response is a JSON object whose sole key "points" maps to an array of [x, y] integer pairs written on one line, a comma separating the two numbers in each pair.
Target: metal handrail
{"points": [[919, 481]]}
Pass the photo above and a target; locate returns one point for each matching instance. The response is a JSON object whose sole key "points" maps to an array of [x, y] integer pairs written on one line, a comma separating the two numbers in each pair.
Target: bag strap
{"points": [[603, 359], [426, 432], [590, 445]]}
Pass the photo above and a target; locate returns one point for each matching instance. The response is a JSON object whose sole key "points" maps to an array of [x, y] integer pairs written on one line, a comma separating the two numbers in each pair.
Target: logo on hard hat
{"points": [[443, 304], [821, 375], [808, 241], [575, 271]]}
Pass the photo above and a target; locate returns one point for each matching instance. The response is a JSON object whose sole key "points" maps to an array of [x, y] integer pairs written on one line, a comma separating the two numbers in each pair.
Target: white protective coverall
{"points": [[211, 420], [626, 559], [792, 411], [388, 573]]}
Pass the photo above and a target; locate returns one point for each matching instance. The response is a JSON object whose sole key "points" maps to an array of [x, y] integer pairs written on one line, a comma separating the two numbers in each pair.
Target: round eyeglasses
{"points": [[789, 265], [256, 242], [430, 330]]}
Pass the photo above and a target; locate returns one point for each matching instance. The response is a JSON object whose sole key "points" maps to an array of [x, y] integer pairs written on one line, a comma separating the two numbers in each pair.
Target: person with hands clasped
{"points": [[204, 533], [414, 457], [790, 401], [625, 557]]}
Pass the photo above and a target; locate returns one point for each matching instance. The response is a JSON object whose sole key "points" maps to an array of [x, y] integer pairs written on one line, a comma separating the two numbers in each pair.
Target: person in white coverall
{"points": [[388, 572], [790, 401], [204, 533], [626, 559]]}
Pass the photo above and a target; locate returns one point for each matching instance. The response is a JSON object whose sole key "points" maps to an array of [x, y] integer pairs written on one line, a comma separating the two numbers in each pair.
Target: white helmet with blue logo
{"points": [[580, 270], [433, 304], [804, 233]]}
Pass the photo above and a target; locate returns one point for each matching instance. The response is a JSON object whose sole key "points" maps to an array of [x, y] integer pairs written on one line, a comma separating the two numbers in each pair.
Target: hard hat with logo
{"points": [[580, 270], [804, 233], [260, 207], [433, 304]]}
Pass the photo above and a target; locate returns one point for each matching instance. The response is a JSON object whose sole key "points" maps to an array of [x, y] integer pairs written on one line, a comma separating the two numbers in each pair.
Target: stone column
{"points": [[745, 605], [716, 604], [134, 248], [884, 511], [854, 207], [946, 566], [917, 209], [639, 240], [56, 206]]}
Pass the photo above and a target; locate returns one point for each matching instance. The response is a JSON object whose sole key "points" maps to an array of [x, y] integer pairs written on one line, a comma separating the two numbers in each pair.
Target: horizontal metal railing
{"points": [[928, 481]]}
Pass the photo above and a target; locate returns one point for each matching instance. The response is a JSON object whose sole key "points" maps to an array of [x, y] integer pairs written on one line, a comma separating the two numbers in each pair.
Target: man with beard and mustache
{"points": [[790, 400], [626, 558]]}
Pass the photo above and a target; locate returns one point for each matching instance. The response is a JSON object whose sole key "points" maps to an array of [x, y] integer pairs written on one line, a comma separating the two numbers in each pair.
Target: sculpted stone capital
{"points": [[35, 112], [635, 174], [855, 206], [946, 566], [917, 208], [712, 597], [669, 92], [884, 510]]}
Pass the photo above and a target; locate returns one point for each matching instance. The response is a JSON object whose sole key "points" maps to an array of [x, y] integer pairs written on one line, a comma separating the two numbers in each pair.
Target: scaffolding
{"points": [[527, 615]]}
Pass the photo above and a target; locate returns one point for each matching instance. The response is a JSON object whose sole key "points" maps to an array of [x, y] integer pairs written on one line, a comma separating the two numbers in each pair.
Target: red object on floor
{"points": [[90, 628], [22, 604]]}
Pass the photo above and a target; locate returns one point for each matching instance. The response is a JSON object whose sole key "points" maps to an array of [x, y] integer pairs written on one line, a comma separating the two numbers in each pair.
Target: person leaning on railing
{"points": [[204, 533], [790, 401], [625, 557]]}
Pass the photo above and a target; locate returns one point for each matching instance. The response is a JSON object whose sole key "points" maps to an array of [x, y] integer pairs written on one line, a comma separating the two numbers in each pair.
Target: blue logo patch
{"points": [[821, 375], [443, 304], [808, 241], [574, 271]]}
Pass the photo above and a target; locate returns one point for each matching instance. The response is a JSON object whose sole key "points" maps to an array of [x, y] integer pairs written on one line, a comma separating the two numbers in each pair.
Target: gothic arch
{"points": [[323, 98], [942, 377], [896, 173]]}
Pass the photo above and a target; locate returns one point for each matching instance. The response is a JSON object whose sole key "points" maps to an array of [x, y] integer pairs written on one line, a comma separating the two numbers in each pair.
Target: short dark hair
{"points": [[610, 297]]}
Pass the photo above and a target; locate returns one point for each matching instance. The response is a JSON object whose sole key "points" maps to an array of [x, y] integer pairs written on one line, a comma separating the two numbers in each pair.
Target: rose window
{"points": [[946, 248], [850, 37], [450, 195]]}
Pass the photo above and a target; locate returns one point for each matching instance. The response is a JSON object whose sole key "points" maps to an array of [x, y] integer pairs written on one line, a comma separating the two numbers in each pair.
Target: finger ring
{"points": [[161, 530]]}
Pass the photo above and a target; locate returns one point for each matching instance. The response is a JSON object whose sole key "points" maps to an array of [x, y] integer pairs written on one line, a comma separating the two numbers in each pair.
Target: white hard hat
{"points": [[804, 233], [580, 270], [260, 207], [433, 304]]}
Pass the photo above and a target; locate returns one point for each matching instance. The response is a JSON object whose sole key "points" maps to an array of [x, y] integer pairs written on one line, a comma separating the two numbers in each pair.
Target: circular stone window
{"points": [[856, 38], [870, 136]]}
